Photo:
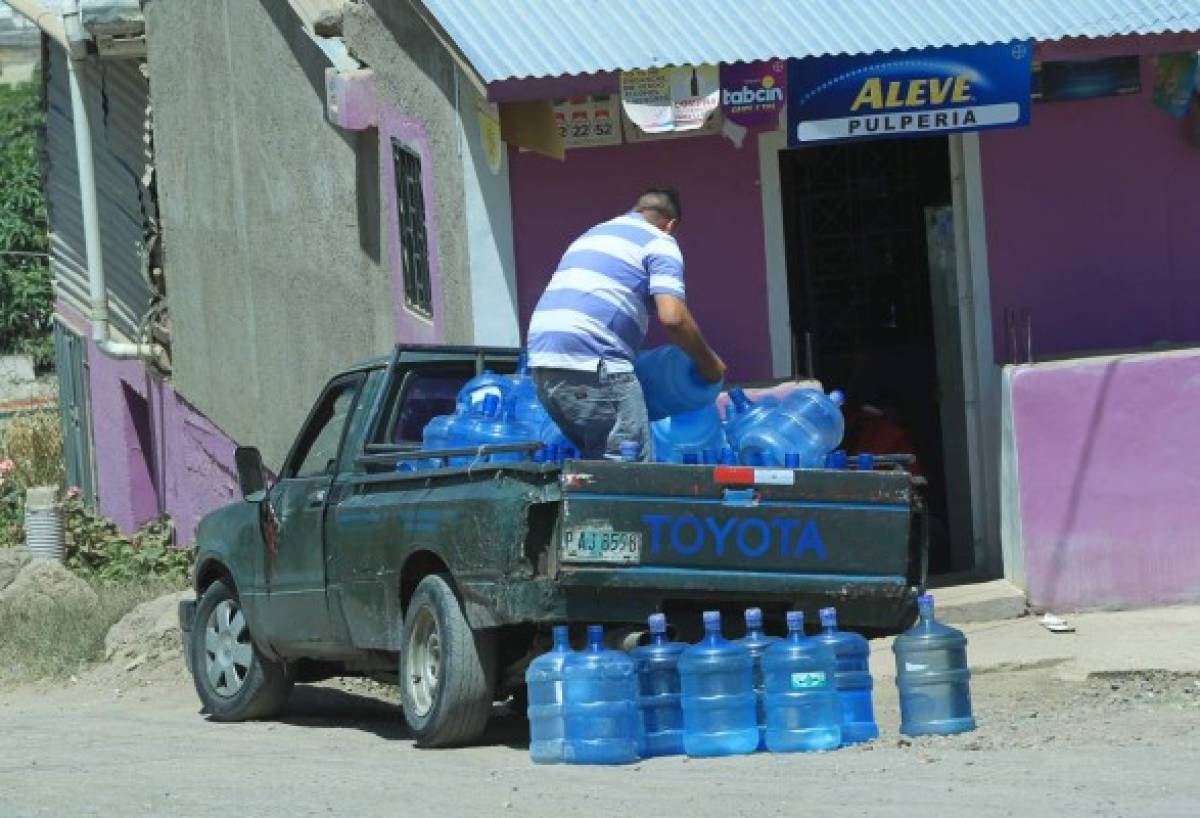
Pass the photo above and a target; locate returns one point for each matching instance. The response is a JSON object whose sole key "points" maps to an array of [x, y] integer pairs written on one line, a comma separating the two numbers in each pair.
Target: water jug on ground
{"points": [[600, 696], [544, 681], [657, 669], [933, 677], [757, 642], [803, 713], [671, 383], [852, 654], [717, 682]]}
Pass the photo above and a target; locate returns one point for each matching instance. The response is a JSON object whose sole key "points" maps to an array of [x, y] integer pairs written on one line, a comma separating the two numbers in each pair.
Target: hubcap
{"points": [[424, 662], [227, 650]]}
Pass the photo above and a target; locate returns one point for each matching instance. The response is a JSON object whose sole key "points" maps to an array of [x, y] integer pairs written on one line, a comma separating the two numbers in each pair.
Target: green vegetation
{"points": [[26, 296], [31, 454]]}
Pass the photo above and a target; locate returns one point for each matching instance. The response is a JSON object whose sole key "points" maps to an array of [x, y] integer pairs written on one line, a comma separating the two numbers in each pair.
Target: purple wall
{"points": [[721, 233], [1107, 480], [152, 450], [1093, 223]]}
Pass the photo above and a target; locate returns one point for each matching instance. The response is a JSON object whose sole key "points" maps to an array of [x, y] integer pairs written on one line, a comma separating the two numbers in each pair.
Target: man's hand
{"points": [[681, 327]]}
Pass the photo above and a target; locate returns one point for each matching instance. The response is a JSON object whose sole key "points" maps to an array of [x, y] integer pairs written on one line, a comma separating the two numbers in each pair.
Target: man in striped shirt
{"points": [[592, 319]]}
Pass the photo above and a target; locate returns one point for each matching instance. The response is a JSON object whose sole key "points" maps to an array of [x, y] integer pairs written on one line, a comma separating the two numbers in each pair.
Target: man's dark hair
{"points": [[663, 199]]}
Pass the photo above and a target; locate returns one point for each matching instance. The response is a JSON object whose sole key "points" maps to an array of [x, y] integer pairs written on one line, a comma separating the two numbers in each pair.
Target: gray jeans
{"points": [[597, 411]]}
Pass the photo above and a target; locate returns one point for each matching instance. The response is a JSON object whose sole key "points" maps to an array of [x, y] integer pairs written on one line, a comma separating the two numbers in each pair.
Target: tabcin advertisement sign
{"points": [[912, 93]]}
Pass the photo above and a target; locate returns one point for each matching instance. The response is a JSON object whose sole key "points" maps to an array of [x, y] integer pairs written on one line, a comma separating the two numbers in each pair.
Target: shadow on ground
{"points": [[320, 707]]}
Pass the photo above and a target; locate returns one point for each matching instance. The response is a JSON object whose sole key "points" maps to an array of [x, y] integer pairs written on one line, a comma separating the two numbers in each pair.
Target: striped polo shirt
{"points": [[594, 308]]}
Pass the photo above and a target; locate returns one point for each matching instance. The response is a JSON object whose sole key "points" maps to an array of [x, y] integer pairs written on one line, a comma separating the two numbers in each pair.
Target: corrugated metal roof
{"points": [[506, 39]]}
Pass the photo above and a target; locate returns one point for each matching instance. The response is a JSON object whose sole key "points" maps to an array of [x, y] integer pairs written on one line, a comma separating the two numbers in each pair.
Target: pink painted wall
{"points": [[1107, 479], [177, 460], [721, 233], [1093, 222]]}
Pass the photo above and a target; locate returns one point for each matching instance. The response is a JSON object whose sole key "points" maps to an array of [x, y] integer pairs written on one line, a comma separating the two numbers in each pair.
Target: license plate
{"points": [[594, 544]]}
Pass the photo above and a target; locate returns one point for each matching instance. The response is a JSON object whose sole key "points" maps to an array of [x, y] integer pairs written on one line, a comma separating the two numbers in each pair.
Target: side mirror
{"points": [[251, 476]]}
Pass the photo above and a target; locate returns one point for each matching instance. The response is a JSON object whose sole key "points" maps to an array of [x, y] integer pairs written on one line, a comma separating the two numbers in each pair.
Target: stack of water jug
{"points": [[495, 409], [720, 697], [798, 431]]}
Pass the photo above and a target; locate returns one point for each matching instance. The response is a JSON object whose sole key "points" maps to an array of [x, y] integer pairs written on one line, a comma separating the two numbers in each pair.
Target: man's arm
{"points": [[684, 332]]}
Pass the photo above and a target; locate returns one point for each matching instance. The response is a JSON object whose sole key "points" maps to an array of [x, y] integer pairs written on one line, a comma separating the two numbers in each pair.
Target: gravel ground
{"points": [[1121, 745]]}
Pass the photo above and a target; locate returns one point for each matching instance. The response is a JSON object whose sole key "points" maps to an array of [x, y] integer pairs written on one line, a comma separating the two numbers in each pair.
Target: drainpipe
{"points": [[76, 46]]}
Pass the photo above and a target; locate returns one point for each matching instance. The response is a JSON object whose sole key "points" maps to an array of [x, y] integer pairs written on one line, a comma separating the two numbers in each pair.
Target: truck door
{"points": [[295, 606]]}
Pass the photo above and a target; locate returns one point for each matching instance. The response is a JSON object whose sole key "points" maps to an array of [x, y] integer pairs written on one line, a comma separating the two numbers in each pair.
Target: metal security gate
{"points": [[70, 357]]}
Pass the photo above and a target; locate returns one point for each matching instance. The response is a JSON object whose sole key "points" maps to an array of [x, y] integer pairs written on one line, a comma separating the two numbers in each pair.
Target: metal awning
{"points": [[511, 39]]}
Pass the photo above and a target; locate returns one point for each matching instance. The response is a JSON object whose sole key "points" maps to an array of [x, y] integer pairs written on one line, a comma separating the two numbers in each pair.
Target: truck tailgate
{"points": [[854, 539]]}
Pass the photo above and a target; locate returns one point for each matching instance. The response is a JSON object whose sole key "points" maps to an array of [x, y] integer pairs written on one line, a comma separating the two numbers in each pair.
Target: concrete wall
{"points": [[1106, 481], [272, 226], [721, 233], [154, 451], [1093, 223]]}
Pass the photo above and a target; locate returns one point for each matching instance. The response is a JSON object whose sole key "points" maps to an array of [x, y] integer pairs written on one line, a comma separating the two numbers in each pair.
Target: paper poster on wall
{"points": [[1175, 82], [588, 122], [489, 132], [664, 100], [753, 94]]}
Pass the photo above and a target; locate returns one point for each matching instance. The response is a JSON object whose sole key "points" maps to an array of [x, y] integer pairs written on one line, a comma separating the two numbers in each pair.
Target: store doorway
{"points": [[859, 224]]}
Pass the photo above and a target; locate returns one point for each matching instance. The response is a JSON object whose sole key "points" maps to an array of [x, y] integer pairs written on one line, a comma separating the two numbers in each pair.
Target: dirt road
{"points": [[1115, 747]]}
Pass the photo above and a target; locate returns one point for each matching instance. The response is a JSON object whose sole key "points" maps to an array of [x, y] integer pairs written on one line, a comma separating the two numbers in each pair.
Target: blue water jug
{"points": [[657, 669], [806, 422], [688, 433], [544, 681], [852, 654], [671, 383], [744, 413], [600, 694], [488, 427], [436, 434], [717, 682], [757, 642], [479, 387], [527, 410], [933, 677], [803, 713]]}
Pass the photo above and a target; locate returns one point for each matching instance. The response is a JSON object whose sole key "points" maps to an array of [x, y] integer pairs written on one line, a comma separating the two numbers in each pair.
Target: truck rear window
{"points": [[424, 397]]}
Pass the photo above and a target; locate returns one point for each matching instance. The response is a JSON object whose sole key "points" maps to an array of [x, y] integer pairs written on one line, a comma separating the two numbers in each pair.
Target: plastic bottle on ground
{"points": [[671, 383], [600, 695], [933, 677], [717, 684], [852, 653], [757, 642], [544, 680], [803, 713], [657, 669], [806, 422]]}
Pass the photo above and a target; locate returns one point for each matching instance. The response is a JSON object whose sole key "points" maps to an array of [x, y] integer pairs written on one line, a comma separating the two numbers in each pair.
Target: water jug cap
{"points": [[559, 634], [728, 458], [712, 619], [658, 623], [630, 449], [791, 460], [829, 617], [838, 397], [491, 405], [754, 618], [795, 620], [595, 636], [925, 603], [738, 396], [691, 458]]}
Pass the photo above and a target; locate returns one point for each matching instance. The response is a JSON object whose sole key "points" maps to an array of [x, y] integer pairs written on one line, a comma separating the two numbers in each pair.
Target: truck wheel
{"points": [[234, 680], [446, 669]]}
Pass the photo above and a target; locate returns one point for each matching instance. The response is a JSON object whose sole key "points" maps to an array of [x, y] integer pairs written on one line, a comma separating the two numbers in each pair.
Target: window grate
{"points": [[414, 246]]}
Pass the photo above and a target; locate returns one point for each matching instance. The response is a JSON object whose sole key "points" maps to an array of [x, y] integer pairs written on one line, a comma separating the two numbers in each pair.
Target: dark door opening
{"points": [[861, 308]]}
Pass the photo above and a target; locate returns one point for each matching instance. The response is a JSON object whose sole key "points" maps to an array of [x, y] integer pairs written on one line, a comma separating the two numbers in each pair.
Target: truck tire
{"points": [[234, 680], [446, 669]]}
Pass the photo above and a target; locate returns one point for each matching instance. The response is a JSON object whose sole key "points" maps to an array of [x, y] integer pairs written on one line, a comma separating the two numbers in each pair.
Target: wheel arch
{"points": [[209, 570], [418, 565]]}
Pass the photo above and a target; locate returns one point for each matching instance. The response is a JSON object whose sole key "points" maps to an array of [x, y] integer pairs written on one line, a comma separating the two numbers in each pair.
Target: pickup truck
{"points": [[448, 579]]}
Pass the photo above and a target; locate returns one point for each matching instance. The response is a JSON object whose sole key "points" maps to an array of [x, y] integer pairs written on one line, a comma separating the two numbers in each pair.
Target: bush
{"points": [[66, 637], [31, 454], [96, 548]]}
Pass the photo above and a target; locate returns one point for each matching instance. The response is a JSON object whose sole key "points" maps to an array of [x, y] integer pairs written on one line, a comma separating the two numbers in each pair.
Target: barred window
{"points": [[414, 247]]}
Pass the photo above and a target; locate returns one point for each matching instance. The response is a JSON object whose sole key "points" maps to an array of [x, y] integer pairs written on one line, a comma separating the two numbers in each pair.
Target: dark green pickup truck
{"points": [[451, 577]]}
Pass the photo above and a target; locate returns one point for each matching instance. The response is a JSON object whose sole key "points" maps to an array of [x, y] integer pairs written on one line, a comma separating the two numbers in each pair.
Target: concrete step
{"points": [[962, 604]]}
